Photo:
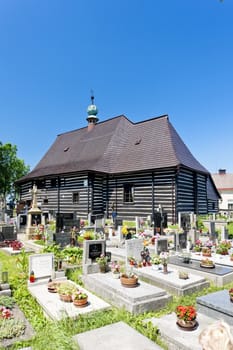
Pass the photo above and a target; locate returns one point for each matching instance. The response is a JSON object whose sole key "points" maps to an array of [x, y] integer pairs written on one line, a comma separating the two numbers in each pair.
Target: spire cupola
{"points": [[92, 112]]}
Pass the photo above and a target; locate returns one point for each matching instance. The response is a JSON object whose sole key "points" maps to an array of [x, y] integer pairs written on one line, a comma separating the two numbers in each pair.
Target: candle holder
{"points": [[4, 277]]}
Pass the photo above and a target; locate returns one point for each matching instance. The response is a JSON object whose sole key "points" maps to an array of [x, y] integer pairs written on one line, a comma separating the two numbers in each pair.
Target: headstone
{"points": [[224, 233], [212, 231], [63, 238], [42, 265], [92, 249], [137, 223], [184, 220], [99, 225], [133, 248], [118, 222], [8, 232], [161, 245], [193, 235], [180, 240]]}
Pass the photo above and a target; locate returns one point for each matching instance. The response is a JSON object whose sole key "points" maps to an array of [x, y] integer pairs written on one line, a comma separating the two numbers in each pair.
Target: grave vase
{"points": [[102, 268], [165, 268], [186, 325], [80, 302]]}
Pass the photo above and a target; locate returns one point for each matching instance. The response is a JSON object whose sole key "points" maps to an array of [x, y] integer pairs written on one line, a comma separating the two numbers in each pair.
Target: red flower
{"points": [[186, 313]]}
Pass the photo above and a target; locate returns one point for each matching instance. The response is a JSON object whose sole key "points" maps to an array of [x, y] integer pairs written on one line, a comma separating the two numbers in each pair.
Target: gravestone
{"points": [[137, 223], [99, 225], [92, 249], [7, 233], [180, 240], [42, 265], [212, 231], [133, 248], [63, 238], [193, 235], [224, 233], [161, 245], [118, 222]]}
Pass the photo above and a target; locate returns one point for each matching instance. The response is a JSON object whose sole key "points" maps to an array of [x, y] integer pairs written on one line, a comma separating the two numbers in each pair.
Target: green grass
{"points": [[58, 335]]}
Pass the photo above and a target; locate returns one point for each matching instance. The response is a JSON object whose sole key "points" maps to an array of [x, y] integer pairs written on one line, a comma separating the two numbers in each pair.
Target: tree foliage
{"points": [[11, 169]]}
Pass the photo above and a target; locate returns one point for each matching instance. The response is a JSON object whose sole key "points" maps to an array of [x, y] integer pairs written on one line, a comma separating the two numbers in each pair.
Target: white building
{"points": [[224, 184]]}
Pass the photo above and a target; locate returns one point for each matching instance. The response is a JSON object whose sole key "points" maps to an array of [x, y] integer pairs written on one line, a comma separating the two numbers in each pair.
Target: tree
{"points": [[11, 169]]}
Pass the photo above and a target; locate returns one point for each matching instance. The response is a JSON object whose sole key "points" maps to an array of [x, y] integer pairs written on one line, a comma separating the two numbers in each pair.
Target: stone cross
{"points": [[34, 192]]}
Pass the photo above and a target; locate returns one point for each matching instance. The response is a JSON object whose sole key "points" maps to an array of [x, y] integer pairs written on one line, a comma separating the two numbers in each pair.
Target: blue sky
{"points": [[142, 58]]}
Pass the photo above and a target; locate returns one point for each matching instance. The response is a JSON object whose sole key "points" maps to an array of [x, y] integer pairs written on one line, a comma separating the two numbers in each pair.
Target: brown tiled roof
{"points": [[117, 145], [223, 181]]}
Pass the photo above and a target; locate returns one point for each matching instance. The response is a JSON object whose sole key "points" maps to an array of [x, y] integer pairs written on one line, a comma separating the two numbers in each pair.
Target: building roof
{"points": [[223, 181], [117, 145]]}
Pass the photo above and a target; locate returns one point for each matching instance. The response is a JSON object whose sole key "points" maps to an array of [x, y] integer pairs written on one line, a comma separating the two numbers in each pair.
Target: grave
{"points": [[171, 281], [56, 309], [136, 300], [219, 275], [43, 267], [216, 305], [176, 338], [114, 337]]}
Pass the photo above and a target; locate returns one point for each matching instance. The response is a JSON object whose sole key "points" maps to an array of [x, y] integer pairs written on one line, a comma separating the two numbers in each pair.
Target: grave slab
{"points": [[115, 336], [217, 305], [176, 338], [56, 309], [219, 275], [10, 251], [171, 281], [136, 300]]}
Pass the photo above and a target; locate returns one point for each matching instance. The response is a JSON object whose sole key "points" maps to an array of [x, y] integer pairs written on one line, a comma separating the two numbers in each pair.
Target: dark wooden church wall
{"points": [[164, 193], [98, 194], [185, 191]]}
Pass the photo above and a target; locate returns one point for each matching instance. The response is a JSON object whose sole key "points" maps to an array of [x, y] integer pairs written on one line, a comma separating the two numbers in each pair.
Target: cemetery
{"points": [[144, 273]]}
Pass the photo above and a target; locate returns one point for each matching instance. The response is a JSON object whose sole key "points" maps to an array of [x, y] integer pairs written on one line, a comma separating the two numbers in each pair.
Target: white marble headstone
{"points": [[42, 265], [133, 249]]}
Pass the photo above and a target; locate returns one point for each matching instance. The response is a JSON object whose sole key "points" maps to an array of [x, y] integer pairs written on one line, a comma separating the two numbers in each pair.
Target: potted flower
{"points": [[80, 298], [198, 246], [66, 290], [183, 275], [16, 245], [231, 294], [53, 286], [129, 279], [223, 247], [156, 261], [38, 232], [102, 261], [186, 316], [132, 261], [206, 251], [115, 267]]}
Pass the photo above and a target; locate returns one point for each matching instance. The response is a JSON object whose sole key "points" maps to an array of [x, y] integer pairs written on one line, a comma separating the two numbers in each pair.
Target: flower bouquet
{"points": [[186, 316]]}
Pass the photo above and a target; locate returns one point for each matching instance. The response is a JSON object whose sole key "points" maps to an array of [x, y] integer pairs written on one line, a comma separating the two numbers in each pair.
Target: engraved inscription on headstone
{"points": [[91, 250], [95, 250]]}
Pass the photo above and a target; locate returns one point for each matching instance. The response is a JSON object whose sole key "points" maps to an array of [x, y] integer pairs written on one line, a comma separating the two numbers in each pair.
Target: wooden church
{"points": [[117, 165]]}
